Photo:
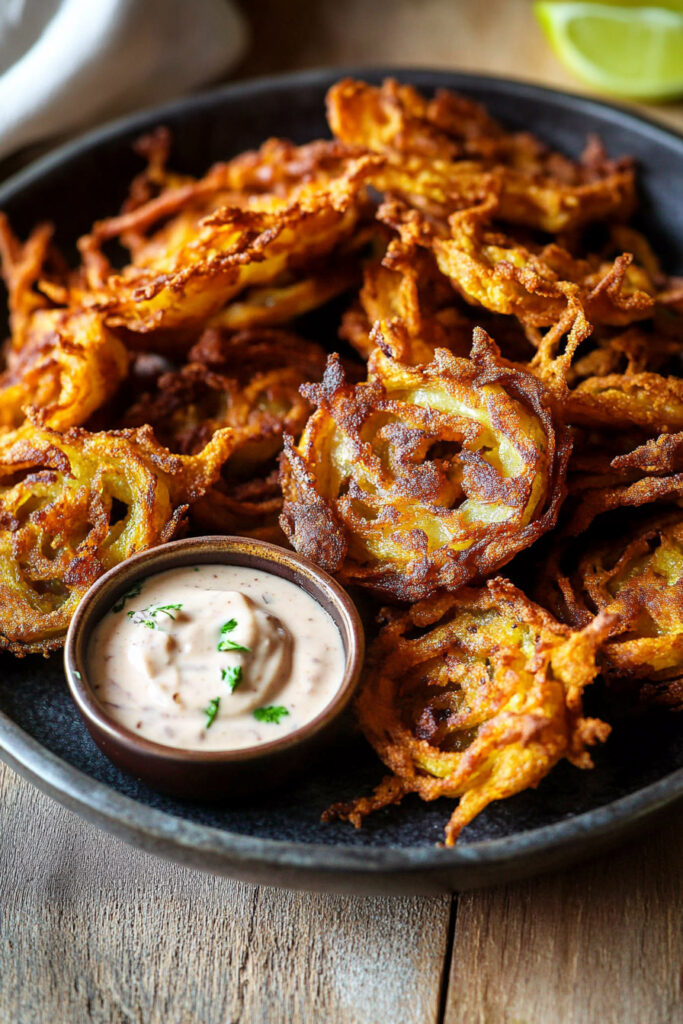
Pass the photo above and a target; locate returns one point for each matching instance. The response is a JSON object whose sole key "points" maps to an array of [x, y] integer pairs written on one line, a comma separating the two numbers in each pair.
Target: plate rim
{"points": [[189, 841], [132, 818]]}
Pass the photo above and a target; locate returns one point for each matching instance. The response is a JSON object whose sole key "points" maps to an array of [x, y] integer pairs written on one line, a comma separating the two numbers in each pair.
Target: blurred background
{"points": [[66, 65]]}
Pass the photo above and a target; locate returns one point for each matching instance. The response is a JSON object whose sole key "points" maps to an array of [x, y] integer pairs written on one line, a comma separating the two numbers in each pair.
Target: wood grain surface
{"points": [[92, 930], [95, 932]]}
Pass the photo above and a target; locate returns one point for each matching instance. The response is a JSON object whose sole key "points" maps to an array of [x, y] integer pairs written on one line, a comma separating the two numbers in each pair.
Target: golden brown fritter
{"points": [[449, 152], [427, 476], [397, 118], [622, 551], [75, 504], [180, 282], [248, 381], [67, 368], [531, 283], [620, 401], [474, 696]]}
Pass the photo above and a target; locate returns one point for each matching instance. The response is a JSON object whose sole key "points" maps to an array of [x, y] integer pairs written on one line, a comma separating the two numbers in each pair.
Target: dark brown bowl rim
{"points": [[209, 550]]}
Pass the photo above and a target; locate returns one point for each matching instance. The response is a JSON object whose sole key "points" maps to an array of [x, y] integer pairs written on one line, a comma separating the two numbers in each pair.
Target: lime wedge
{"points": [[626, 49]]}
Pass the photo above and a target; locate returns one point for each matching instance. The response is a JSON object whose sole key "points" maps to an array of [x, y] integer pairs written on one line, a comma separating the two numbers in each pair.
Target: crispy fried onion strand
{"points": [[248, 381], [474, 696], [414, 305], [503, 275]]}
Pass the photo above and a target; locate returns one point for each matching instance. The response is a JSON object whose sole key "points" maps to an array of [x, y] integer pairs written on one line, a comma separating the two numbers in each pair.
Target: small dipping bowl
{"points": [[212, 774]]}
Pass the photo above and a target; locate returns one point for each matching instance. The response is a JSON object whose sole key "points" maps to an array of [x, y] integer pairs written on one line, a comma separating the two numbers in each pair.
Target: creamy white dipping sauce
{"points": [[215, 657]]}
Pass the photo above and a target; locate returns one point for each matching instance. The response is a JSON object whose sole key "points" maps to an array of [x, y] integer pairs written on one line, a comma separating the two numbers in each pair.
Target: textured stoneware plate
{"points": [[279, 840]]}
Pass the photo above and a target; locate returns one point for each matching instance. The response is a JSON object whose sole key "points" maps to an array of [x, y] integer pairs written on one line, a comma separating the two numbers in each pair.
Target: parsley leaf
{"points": [[232, 676], [148, 615], [229, 645], [140, 620], [273, 713], [167, 609], [134, 591], [211, 711]]}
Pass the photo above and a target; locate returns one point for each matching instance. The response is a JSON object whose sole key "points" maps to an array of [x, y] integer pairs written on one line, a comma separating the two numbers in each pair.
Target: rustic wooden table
{"points": [[92, 930]]}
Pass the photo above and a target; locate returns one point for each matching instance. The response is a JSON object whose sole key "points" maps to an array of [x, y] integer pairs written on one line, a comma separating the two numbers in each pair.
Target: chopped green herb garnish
{"points": [[195, 568], [77, 674], [229, 645], [148, 615], [270, 714], [232, 676], [134, 591], [140, 620], [167, 609], [211, 711]]}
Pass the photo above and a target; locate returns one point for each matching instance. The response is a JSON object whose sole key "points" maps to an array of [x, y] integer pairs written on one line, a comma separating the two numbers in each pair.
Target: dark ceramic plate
{"points": [[279, 839]]}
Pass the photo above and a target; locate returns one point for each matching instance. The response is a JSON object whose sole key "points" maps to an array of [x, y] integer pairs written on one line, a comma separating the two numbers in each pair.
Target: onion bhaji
{"points": [[622, 551], [474, 695], [424, 477], [73, 505], [68, 367], [497, 272], [448, 151], [193, 369], [248, 381], [180, 283]]}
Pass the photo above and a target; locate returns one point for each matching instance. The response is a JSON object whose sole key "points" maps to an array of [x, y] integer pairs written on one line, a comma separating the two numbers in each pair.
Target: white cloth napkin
{"points": [[65, 64]]}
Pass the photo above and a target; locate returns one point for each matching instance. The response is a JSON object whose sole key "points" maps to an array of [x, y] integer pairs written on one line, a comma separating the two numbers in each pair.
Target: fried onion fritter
{"points": [[182, 283], [427, 476], [75, 504], [248, 381], [67, 368], [622, 551], [619, 401], [430, 146], [492, 270], [396, 118], [474, 696]]}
